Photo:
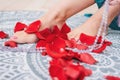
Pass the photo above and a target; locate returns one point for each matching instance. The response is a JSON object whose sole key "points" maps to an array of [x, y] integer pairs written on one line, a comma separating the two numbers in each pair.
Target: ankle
{"points": [[56, 18]]}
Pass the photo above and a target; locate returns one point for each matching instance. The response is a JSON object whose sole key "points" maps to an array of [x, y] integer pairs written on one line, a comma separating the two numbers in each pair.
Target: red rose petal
{"points": [[61, 33], [41, 43], [59, 43], [73, 69], [79, 71], [56, 71], [55, 30], [39, 36], [19, 27], [45, 33], [88, 72], [108, 43], [64, 36], [44, 53], [99, 40], [11, 44], [62, 69], [84, 72], [112, 78], [100, 50], [50, 38], [3, 35], [72, 55], [50, 51], [33, 27], [73, 42], [65, 29], [87, 58], [89, 40], [68, 43], [81, 47], [58, 61]]}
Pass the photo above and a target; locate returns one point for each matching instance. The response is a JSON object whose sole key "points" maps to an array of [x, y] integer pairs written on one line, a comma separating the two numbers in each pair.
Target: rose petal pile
{"points": [[65, 64], [61, 69], [54, 41]]}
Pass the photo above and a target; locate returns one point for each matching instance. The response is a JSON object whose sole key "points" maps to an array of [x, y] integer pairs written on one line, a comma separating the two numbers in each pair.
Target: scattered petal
{"points": [[51, 38], [11, 44], [64, 36], [44, 53], [45, 33], [112, 78], [73, 42], [89, 40], [100, 50], [52, 53], [77, 72], [65, 29], [59, 42], [108, 43], [81, 46], [55, 30], [19, 26], [39, 36], [56, 71], [33, 27], [62, 69], [103, 47], [41, 43], [68, 43], [87, 58], [3, 35]]}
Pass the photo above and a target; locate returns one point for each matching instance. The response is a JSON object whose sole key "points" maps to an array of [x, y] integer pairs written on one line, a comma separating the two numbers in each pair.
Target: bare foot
{"points": [[23, 37], [75, 33]]}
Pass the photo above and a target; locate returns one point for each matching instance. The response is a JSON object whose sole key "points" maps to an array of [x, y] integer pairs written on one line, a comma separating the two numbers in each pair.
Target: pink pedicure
{"points": [[13, 37]]}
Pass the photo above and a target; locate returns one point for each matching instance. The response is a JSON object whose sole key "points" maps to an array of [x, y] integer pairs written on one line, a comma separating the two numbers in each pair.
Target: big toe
{"points": [[17, 39]]}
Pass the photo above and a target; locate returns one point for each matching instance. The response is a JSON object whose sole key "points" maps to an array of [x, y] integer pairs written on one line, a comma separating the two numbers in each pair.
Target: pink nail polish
{"points": [[13, 37]]}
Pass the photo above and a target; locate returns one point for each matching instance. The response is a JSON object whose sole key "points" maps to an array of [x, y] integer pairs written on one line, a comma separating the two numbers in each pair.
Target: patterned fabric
{"points": [[114, 25], [34, 66]]}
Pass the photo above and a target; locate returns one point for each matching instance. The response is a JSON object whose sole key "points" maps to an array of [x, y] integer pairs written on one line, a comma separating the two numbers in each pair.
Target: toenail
{"points": [[13, 37]]}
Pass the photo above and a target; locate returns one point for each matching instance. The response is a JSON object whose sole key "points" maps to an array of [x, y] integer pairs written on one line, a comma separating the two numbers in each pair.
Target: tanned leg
{"points": [[91, 26]]}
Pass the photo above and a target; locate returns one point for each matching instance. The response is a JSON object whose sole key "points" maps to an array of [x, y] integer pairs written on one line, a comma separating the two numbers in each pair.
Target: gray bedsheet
{"points": [[34, 66]]}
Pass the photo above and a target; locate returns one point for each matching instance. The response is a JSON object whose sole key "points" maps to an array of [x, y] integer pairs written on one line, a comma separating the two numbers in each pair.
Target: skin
{"points": [[94, 22], [114, 2], [62, 12]]}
